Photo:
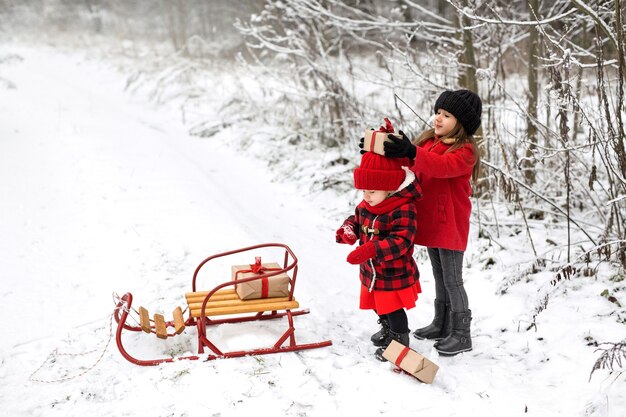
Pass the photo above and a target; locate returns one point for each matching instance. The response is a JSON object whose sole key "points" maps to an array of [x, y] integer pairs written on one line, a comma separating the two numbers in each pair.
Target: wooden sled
{"points": [[220, 305]]}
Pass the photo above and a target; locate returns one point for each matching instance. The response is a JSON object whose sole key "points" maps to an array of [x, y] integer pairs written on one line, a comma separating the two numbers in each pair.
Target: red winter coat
{"points": [[392, 231], [444, 209]]}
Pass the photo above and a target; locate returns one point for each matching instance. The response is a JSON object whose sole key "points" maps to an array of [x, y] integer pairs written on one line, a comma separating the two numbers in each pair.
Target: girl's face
{"points": [[444, 122], [374, 197]]}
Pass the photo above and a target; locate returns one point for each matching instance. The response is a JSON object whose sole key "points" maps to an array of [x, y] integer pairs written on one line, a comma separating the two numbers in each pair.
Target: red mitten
{"points": [[362, 253], [345, 234]]}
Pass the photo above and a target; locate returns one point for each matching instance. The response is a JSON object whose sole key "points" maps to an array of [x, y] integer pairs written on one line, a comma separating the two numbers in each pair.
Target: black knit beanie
{"points": [[464, 105]]}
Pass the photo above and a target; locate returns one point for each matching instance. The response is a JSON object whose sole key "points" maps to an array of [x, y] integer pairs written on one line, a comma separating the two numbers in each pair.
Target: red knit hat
{"points": [[377, 172]]}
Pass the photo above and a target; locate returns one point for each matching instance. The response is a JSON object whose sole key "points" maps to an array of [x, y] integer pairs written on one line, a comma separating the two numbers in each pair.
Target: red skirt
{"points": [[384, 302]]}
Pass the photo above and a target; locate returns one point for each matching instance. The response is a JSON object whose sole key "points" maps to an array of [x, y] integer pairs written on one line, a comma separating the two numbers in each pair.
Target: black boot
{"points": [[439, 328], [380, 337], [447, 328], [460, 339], [402, 338]]}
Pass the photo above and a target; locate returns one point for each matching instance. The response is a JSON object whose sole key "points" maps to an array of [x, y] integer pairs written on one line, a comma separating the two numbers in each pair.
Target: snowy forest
{"points": [[295, 83], [550, 73]]}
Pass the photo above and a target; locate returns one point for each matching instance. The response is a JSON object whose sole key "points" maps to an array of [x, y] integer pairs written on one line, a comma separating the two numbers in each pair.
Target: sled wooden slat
{"points": [[179, 321], [253, 308], [247, 308], [227, 304], [198, 297], [144, 319], [159, 324], [232, 303]]}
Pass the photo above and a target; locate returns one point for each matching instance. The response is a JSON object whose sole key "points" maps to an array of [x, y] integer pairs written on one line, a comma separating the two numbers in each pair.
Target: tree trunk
{"points": [[441, 7], [620, 148], [467, 77], [533, 93]]}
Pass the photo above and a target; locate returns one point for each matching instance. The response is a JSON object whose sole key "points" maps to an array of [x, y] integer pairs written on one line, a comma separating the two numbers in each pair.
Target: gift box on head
{"points": [[264, 287], [411, 362], [374, 140]]}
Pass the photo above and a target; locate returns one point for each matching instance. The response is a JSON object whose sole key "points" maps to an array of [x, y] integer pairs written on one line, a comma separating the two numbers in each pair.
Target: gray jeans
{"points": [[447, 269]]}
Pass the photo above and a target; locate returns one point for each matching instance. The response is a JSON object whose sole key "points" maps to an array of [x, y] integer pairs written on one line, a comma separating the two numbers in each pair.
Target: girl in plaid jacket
{"points": [[385, 224]]}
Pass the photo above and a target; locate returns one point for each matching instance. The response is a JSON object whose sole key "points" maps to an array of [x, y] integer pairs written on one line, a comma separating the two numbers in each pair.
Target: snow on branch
{"points": [[499, 21], [427, 12], [361, 24], [615, 200], [537, 194], [582, 6]]}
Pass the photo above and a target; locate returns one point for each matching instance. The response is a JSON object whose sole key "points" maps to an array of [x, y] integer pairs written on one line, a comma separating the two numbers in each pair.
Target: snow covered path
{"points": [[100, 192]]}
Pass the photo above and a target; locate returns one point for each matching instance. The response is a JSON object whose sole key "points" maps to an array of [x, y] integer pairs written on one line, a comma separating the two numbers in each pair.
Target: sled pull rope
{"points": [[55, 353]]}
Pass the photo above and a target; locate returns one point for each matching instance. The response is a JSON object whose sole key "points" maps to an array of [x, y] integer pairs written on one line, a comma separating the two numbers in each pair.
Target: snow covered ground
{"points": [[101, 192]]}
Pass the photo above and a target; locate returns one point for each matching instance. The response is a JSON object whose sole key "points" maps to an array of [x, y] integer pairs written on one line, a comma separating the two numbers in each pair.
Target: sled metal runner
{"points": [[212, 312]]}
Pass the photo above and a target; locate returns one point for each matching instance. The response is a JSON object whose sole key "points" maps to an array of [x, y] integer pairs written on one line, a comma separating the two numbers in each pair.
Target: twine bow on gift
{"points": [[259, 269], [387, 128]]}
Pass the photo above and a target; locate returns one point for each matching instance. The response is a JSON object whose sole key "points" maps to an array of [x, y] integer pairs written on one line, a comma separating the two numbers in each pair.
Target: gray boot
{"points": [[460, 339], [380, 337], [402, 338], [440, 327]]}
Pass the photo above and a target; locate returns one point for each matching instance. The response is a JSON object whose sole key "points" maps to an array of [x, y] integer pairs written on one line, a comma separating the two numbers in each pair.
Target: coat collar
{"points": [[406, 193]]}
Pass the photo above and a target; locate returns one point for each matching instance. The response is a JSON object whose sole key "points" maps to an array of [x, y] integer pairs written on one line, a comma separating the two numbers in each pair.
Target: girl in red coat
{"points": [[385, 223], [444, 160]]}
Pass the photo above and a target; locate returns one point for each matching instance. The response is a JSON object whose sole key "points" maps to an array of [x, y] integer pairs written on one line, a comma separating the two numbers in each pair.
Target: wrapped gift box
{"points": [[410, 361], [374, 141], [266, 287]]}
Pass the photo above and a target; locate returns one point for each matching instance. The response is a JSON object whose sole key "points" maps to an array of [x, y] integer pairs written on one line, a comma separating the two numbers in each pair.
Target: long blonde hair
{"points": [[460, 137]]}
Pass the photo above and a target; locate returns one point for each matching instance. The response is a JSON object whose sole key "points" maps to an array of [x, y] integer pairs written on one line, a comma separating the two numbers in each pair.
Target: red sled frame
{"points": [[202, 322]]}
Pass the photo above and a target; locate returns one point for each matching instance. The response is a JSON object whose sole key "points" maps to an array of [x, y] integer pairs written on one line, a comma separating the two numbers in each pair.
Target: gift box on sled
{"points": [[265, 286]]}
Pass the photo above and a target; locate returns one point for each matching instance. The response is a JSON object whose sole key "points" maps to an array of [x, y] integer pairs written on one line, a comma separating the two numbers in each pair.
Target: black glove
{"points": [[362, 143], [399, 147]]}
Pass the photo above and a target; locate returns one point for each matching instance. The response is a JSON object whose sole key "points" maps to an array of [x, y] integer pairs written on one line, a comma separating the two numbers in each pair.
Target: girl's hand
{"points": [[399, 147], [362, 145], [362, 253], [345, 234]]}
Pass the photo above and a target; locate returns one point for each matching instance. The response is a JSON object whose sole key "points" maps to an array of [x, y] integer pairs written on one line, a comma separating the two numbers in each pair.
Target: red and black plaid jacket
{"points": [[393, 233]]}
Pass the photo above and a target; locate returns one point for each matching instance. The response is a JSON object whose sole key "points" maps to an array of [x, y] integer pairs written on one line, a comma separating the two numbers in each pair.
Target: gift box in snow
{"points": [[264, 287], [410, 361], [374, 140]]}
